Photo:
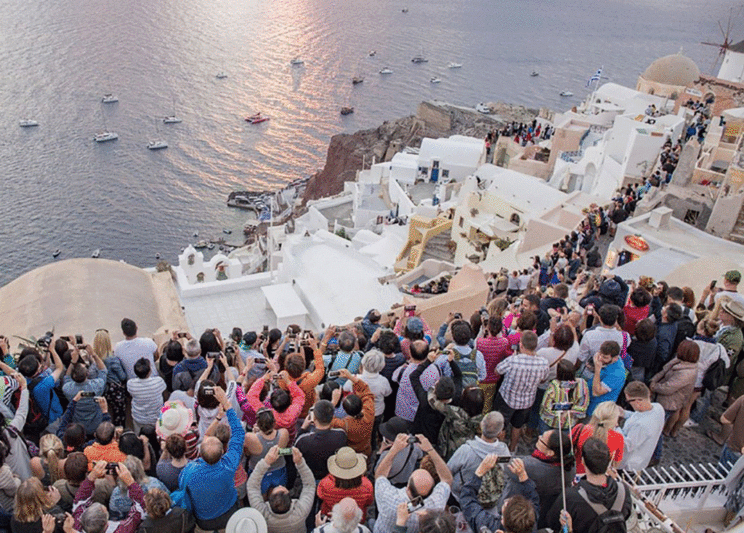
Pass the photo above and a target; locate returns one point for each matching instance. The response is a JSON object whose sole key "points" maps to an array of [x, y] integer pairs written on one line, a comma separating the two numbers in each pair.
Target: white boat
{"points": [[201, 244], [296, 62], [105, 136], [434, 79], [534, 74], [109, 98], [157, 145], [386, 70], [221, 75], [172, 119], [454, 65], [96, 253], [566, 93], [483, 108], [372, 53], [28, 123], [419, 59], [404, 10], [56, 253]]}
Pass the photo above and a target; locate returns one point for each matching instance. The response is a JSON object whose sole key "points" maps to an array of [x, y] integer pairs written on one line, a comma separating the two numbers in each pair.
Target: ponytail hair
{"points": [[52, 449], [555, 446]]}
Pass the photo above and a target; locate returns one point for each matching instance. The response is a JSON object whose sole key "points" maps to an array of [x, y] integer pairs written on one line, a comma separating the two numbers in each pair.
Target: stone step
{"points": [[737, 237]]}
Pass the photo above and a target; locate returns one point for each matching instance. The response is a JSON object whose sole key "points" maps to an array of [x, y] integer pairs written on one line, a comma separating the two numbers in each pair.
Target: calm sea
{"points": [[62, 190]]}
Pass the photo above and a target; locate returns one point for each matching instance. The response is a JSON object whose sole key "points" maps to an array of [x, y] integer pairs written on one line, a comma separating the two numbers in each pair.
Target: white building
{"points": [[451, 159], [732, 67]]}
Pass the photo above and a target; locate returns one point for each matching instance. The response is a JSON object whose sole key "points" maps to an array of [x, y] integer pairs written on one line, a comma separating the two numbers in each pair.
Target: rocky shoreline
{"points": [[348, 153]]}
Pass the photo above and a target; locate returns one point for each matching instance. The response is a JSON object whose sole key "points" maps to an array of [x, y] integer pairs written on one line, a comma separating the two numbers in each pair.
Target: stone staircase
{"points": [[438, 248], [737, 232]]}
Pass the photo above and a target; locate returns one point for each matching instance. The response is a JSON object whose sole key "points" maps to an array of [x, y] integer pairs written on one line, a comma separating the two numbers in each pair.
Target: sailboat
{"points": [[172, 119], [157, 144], [105, 135]]}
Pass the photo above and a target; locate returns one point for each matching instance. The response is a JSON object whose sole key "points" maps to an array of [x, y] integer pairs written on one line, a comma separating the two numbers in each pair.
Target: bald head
{"points": [[420, 484], [211, 450], [346, 515]]}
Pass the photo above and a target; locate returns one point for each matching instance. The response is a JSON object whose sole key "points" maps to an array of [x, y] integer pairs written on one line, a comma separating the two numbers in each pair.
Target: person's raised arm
{"points": [[597, 388], [254, 392], [137, 495], [441, 467], [208, 370], [19, 420], [383, 469], [59, 368], [362, 390], [415, 378], [235, 447], [229, 375], [296, 395]]}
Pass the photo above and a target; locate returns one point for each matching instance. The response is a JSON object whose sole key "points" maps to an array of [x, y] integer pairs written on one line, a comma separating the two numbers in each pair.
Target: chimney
{"points": [[660, 217]]}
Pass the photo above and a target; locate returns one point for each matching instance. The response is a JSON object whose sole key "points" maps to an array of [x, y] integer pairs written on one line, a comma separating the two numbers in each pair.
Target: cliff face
{"points": [[348, 152]]}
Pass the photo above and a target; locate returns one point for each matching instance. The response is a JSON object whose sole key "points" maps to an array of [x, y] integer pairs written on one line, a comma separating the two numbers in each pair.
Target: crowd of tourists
{"points": [[388, 424]]}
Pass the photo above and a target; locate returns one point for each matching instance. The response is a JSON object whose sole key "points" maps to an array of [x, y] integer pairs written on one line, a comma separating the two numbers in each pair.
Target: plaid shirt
{"points": [[522, 374], [407, 402]]}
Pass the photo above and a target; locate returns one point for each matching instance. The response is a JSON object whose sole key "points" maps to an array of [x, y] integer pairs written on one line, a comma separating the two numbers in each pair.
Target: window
{"points": [[445, 173], [691, 216], [514, 219], [460, 222]]}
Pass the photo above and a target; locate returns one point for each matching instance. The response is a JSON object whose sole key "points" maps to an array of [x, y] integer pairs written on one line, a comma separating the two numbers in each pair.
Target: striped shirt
{"points": [[522, 374], [147, 399]]}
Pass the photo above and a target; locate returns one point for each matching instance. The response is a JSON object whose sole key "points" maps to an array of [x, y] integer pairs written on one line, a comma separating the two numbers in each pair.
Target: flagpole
{"points": [[596, 85]]}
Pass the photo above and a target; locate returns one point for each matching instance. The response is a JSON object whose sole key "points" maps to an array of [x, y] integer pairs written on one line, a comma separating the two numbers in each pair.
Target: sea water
{"points": [[62, 190]]}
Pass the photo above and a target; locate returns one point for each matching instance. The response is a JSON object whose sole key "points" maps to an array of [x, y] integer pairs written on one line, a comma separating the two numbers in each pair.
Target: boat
{"points": [[434, 79], [356, 80], [483, 108], [296, 62], [404, 10], [201, 244], [256, 119], [109, 98], [347, 110], [157, 145], [157, 256], [419, 59], [454, 65], [196, 234], [210, 246], [566, 93], [386, 70], [221, 75], [28, 123], [534, 74], [56, 253], [105, 136], [173, 118], [372, 53], [227, 231], [96, 253]]}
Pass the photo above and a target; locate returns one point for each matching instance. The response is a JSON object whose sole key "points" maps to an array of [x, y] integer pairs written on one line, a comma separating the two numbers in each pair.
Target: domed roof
{"points": [[674, 69]]}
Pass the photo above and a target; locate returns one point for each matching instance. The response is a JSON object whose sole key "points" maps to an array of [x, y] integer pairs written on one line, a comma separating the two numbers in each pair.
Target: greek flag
{"points": [[596, 77]]}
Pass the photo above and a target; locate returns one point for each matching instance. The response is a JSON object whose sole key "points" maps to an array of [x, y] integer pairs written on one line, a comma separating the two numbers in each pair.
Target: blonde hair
{"points": [[102, 344], [31, 500], [604, 419], [52, 449]]}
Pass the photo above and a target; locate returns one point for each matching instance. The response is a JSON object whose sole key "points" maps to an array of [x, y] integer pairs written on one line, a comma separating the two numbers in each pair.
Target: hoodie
{"points": [[583, 516], [466, 459]]}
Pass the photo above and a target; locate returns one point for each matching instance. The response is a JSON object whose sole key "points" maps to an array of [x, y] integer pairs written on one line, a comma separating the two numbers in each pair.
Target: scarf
{"points": [[540, 456]]}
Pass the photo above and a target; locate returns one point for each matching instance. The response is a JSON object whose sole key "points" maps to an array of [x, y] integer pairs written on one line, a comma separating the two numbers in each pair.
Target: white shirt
{"points": [[551, 354], [513, 284], [131, 351], [524, 281], [147, 398], [641, 433], [594, 338], [378, 385]]}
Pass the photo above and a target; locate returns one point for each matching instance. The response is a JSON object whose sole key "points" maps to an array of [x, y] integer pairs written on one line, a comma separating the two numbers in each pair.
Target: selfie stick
{"points": [[563, 470]]}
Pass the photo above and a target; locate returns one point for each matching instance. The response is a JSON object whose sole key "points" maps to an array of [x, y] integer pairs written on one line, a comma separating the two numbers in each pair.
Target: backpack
{"points": [[37, 420], [456, 430], [469, 369], [608, 520], [685, 329], [715, 375]]}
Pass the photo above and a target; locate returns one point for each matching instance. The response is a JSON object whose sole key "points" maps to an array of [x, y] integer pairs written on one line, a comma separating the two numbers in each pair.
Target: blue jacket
{"points": [[212, 487]]}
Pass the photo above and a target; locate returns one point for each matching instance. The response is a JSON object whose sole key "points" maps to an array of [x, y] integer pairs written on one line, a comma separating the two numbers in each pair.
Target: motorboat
{"points": [[105, 137], [454, 65], [28, 123], [157, 145], [434, 79], [221, 75], [171, 119], [109, 98], [566, 93], [256, 119], [96, 253], [404, 10], [483, 108], [386, 70], [356, 80], [196, 234], [534, 74], [201, 244], [347, 110], [157, 256], [56, 253], [210, 246], [419, 59], [296, 62], [372, 53], [227, 231]]}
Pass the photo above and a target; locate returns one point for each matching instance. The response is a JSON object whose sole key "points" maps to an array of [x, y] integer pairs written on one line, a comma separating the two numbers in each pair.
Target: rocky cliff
{"points": [[347, 153]]}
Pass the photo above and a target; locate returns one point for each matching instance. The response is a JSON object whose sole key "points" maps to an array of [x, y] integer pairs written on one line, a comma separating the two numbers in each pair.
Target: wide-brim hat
{"points": [[733, 308], [393, 427], [246, 520], [175, 418], [347, 464]]}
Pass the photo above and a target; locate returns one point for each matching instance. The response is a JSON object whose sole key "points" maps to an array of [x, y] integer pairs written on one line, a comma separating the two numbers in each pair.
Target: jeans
{"points": [[727, 456], [699, 414], [660, 444]]}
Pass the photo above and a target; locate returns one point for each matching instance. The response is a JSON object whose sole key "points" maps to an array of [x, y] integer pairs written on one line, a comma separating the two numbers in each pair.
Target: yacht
{"points": [[296, 62], [56, 253], [419, 59], [96, 253], [347, 110], [227, 231], [157, 145], [483, 108], [109, 98], [28, 123], [566, 93], [454, 65], [434, 79], [386, 70], [105, 136], [404, 10], [172, 119], [535, 74], [372, 53], [201, 244], [356, 80], [210, 246], [221, 75]]}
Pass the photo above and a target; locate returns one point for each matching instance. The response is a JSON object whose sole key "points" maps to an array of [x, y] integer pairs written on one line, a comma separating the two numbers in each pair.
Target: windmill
{"points": [[723, 47]]}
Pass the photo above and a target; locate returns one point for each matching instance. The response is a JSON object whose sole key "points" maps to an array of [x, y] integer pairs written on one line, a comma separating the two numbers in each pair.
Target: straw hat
{"points": [[733, 308], [246, 520], [347, 464], [175, 418]]}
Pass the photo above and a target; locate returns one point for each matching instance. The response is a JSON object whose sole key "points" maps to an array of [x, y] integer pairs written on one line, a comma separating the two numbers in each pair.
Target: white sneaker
{"points": [[690, 423]]}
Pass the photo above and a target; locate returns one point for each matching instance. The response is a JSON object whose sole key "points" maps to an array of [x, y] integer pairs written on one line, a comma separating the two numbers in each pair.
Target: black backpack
{"points": [[685, 329], [37, 420], [715, 375], [608, 520]]}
